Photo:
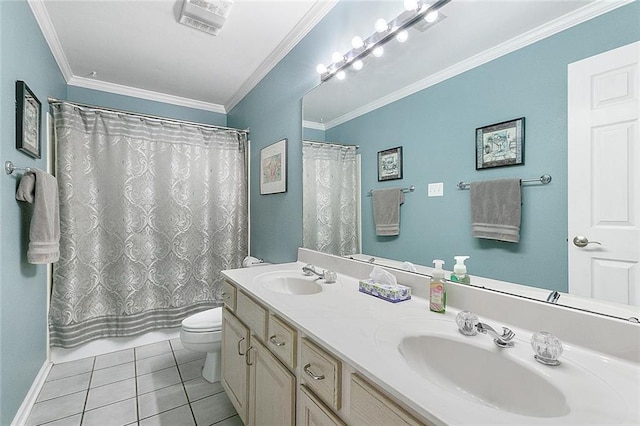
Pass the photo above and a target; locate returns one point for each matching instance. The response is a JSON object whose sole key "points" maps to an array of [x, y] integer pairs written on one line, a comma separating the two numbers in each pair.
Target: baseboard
{"points": [[27, 404]]}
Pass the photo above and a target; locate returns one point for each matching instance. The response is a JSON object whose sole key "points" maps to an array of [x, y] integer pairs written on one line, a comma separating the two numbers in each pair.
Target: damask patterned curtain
{"points": [[330, 198], [151, 212]]}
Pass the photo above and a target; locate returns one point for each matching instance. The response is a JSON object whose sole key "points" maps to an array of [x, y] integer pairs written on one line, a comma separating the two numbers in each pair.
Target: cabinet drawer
{"points": [[229, 295], [312, 411], [282, 341], [252, 314], [321, 372], [370, 407]]}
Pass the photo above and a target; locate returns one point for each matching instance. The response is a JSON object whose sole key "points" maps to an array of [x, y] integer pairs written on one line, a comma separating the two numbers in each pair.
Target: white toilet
{"points": [[202, 332]]}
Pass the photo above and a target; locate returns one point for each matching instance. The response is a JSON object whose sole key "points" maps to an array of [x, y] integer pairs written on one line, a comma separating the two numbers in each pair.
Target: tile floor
{"points": [[158, 384]]}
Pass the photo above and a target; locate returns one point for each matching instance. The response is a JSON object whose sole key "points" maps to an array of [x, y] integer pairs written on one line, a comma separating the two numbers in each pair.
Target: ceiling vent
{"points": [[205, 15]]}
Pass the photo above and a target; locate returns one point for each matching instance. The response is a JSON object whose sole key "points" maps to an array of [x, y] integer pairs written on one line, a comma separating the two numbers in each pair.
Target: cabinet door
{"points": [[235, 369], [272, 389], [312, 412]]}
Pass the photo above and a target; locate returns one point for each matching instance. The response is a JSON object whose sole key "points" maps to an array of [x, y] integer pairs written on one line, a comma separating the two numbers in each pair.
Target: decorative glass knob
{"points": [[466, 322], [547, 347], [330, 277]]}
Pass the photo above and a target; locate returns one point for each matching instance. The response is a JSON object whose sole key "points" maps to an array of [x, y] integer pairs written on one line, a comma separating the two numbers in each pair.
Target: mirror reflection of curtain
{"points": [[330, 198], [151, 212]]}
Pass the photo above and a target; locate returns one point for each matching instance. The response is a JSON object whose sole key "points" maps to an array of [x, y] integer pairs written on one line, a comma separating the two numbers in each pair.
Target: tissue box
{"points": [[385, 291]]}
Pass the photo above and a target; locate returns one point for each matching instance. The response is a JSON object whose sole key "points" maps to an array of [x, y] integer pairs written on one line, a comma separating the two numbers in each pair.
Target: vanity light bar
{"points": [[404, 21]]}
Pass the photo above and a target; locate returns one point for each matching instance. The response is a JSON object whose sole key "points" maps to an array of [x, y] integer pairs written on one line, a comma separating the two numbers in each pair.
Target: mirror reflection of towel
{"points": [[496, 209], [386, 210], [41, 189]]}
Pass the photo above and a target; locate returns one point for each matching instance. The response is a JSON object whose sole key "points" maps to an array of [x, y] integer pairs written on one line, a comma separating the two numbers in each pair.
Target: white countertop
{"points": [[365, 332]]}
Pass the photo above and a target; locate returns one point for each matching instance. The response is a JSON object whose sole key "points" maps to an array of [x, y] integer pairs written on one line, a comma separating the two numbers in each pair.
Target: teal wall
{"points": [[436, 128], [24, 55]]}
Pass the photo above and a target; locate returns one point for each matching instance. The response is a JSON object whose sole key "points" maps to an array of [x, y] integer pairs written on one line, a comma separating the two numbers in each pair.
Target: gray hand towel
{"points": [[41, 189], [496, 209], [386, 210]]}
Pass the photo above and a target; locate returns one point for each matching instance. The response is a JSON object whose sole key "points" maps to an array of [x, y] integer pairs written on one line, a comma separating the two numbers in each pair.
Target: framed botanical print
{"points": [[390, 164], [273, 168], [28, 119]]}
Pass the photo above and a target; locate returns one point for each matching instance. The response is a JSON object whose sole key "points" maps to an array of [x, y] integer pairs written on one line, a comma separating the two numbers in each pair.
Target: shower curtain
{"points": [[330, 198], [151, 211]]}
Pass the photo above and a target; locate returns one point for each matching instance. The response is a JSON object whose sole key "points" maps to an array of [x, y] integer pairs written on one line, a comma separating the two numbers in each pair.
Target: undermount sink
{"points": [[482, 375], [289, 282]]}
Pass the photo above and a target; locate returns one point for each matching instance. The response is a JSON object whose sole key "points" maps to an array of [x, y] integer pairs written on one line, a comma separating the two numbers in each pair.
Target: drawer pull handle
{"points": [[273, 340], [239, 351], [310, 373], [248, 357], [225, 296]]}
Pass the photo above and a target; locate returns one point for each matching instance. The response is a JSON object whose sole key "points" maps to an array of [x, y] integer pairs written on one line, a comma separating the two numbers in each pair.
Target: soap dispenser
{"points": [[460, 271], [437, 291]]}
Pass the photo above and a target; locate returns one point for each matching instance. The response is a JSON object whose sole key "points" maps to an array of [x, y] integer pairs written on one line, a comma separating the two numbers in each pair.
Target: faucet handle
{"points": [[330, 277], [466, 322], [547, 348]]}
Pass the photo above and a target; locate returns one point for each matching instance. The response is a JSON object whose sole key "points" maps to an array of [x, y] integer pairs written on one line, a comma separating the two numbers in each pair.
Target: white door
{"points": [[604, 176]]}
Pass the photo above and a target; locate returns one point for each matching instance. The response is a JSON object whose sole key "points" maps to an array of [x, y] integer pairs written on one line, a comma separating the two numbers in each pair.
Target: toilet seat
{"points": [[205, 321]]}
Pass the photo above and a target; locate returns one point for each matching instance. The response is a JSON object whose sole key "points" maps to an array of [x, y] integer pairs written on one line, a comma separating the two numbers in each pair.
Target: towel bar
{"points": [[405, 190], [9, 167], [544, 179]]}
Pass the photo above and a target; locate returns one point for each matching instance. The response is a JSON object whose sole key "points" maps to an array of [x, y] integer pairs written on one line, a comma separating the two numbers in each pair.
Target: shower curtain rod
{"points": [[53, 101], [328, 143]]}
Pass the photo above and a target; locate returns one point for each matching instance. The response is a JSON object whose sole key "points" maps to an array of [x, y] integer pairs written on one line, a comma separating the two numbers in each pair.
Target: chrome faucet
{"points": [[328, 276], [503, 341]]}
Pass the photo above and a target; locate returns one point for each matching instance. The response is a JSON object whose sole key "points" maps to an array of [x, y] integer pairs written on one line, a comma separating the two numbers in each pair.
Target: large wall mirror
{"points": [[484, 63]]}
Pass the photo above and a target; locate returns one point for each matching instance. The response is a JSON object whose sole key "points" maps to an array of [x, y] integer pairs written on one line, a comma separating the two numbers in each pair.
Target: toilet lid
{"points": [[209, 320]]}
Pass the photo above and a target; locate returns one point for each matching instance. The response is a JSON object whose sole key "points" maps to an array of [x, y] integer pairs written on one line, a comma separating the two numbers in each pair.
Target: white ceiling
{"points": [[138, 47]]}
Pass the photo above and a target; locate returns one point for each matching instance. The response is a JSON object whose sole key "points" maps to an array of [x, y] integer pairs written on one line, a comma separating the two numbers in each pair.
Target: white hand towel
{"points": [[41, 189], [496, 209], [386, 210]]}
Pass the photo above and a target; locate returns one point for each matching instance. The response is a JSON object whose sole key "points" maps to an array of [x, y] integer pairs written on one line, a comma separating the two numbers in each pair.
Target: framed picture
{"points": [[500, 144], [28, 114], [273, 168], [390, 164]]}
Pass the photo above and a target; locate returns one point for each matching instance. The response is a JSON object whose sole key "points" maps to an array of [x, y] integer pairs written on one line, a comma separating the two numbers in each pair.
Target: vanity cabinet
{"points": [[371, 407], [312, 412], [235, 368], [272, 389], [259, 385], [274, 375]]}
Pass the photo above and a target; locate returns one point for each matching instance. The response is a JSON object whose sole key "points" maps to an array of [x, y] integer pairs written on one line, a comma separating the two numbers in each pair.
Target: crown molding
{"points": [[43, 19], [311, 18], [313, 125], [560, 24], [119, 89]]}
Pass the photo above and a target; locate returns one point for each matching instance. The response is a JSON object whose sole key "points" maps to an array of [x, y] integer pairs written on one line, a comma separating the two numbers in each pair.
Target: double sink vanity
{"points": [[299, 350]]}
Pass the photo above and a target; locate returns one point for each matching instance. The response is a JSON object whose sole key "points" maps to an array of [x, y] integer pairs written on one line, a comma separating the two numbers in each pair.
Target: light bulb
{"points": [[410, 4], [357, 65], [337, 57], [378, 51], [431, 16], [402, 36], [357, 42], [381, 25], [321, 69], [341, 75]]}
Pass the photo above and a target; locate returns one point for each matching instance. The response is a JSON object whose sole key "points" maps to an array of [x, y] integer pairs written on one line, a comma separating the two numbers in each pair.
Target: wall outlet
{"points": [[436, 189]]}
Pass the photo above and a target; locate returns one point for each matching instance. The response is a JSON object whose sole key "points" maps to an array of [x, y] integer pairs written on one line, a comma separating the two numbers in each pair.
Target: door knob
{"points": [[582, 241]]}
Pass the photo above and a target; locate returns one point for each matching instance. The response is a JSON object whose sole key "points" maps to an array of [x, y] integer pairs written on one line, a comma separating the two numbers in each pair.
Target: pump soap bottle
{"points": [[460, 271], [437, 291]]}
